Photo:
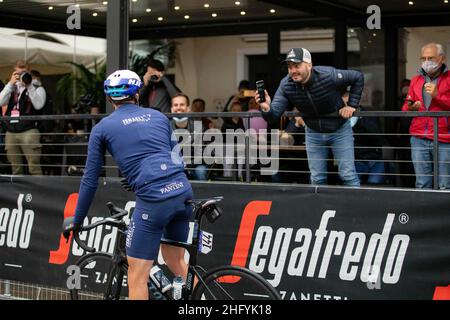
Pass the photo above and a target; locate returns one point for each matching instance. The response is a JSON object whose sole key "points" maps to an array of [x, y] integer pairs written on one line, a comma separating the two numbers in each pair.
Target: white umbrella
{"points": [[47, 57]]}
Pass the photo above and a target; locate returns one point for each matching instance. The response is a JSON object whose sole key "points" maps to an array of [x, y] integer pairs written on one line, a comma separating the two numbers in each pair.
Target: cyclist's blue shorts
{"points": [[152, 220]]}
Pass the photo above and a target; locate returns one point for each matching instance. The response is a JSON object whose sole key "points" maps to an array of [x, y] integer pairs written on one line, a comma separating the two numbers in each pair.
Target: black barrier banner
{"points": [[310, 243]]}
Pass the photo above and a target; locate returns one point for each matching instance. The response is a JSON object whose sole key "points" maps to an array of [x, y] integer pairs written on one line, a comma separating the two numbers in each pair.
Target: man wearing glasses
{"points": [[430, 91]]}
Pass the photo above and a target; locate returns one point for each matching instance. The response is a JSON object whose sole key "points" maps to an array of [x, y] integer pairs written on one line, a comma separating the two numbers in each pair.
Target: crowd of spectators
{"points": [[27, 147]]}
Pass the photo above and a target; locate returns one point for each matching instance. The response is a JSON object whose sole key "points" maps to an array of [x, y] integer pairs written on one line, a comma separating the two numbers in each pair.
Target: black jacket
{"points": [[321, 95]]}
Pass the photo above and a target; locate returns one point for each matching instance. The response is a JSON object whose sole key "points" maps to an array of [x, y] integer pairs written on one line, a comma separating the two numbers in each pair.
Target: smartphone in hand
{"points": [[261, 91]]}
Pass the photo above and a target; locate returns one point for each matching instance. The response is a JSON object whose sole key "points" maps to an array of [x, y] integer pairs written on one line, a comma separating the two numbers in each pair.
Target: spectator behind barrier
{"points": [[232, 124], [22, 136], [181, 104], [242, 96], [158, 90], [317, 91], [430, 91]]}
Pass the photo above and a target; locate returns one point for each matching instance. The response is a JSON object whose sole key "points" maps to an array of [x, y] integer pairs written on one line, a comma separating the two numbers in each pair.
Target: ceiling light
{"points": [[160, 18], [206, 5], [148, 10], [445, 1], [134, 20], [410, 3], [105, 3], [134, 0], [374, 34], [237, 3], [50, 8], [95, 14], [213, 15], [272, 11], [186, 17], [77, 5], [176, 8], [243, 13]]}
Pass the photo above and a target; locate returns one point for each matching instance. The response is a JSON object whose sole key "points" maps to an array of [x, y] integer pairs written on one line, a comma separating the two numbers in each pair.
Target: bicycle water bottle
{"points": [[178, 288], [161, 281]]}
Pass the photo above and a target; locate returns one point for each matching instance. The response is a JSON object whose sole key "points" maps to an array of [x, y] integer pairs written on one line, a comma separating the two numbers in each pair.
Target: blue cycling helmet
{"points": [[122, 84]]}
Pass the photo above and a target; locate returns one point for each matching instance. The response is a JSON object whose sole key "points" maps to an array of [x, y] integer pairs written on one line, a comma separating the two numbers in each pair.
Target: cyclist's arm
{"points": [[89, 182]]}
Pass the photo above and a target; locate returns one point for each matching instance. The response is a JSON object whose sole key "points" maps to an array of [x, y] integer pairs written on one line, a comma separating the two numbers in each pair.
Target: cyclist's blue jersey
{"points": [[145, 149]]}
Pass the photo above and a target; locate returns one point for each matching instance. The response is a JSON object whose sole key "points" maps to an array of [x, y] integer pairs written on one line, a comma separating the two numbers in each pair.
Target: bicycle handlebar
{"points": [[115, 220]]}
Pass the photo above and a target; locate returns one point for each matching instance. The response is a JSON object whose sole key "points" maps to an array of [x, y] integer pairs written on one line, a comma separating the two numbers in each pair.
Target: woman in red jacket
{"points": [[430, 91]]}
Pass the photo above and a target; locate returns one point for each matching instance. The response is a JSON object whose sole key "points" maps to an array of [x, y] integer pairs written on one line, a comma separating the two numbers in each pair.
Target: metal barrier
{"points": [[65, 153], [16, 290]]}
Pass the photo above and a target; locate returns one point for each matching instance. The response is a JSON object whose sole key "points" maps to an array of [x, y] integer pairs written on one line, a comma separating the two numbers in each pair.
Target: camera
{"points": [[154, 78], [26, 77], [84, 104]]}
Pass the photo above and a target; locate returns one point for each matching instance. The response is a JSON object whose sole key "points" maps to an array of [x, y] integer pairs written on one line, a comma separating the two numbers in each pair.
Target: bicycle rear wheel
{"points": [[234, 283], [100, 279]]}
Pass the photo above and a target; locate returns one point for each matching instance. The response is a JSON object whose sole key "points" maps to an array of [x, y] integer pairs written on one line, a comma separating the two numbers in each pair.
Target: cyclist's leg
{"points": [[174, 258], [142, 246], [177, 229], [138, 271]]}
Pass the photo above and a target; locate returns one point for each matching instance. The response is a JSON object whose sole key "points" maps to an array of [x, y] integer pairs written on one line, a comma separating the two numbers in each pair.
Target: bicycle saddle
{"points": [[204, 202]]}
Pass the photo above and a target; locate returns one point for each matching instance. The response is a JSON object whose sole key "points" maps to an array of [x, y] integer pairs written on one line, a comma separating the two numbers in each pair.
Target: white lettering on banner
{"points": [[16, 225], [272, 250], [288, 295]]}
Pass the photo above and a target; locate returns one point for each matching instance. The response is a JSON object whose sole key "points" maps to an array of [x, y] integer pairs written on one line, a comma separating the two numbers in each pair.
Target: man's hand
{"points": [[14, 77], [265, 106], [69, 227], [431, 89], [299, 122], [414, 106], [347, 112], [148, 75]]}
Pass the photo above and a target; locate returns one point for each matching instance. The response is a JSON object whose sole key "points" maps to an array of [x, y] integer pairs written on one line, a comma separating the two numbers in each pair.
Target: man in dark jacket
{"points": [[318, 92], [158, 90]]}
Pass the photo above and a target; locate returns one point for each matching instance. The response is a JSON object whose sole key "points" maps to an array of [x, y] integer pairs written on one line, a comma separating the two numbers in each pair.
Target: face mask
{"points": [[405, 90], [430, 66], [180, 120]]}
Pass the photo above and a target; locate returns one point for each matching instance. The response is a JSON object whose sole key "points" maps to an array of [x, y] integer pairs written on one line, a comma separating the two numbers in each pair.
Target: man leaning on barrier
{"points": [[317, 91], [430, 91]]}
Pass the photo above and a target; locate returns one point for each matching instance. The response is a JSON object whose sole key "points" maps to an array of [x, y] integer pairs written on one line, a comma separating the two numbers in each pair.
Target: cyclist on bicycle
{"points": [[146, 151]]}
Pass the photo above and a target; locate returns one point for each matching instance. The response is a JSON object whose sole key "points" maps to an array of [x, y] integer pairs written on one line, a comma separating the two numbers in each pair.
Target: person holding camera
{"points": [[22, 136], [158, 90], [430, 91]]}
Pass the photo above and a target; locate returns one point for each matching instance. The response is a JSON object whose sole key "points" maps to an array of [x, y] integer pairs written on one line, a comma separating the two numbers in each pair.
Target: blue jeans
{"points": [[374, 170], [422, 157], [341, 143]]}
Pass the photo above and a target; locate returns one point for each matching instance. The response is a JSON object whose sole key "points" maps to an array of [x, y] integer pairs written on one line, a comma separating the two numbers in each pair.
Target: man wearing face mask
{"points": [[317, 91], [430, 91], [187, 129], [22, 136]]}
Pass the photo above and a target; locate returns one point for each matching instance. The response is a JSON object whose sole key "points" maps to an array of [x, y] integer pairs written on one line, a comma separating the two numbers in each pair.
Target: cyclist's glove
{"points": [[125, 185], [69, 226]]}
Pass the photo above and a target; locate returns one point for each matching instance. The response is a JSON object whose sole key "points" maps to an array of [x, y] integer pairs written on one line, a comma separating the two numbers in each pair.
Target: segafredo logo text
{"points": [[287, 249]]}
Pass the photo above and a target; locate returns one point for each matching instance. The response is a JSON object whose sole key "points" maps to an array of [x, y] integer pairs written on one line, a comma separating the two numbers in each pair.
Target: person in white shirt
{"points": [[22, 98]]}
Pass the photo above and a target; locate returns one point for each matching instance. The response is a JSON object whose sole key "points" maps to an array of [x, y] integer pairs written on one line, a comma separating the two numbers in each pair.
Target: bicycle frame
{"points": [[119, 256]]}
